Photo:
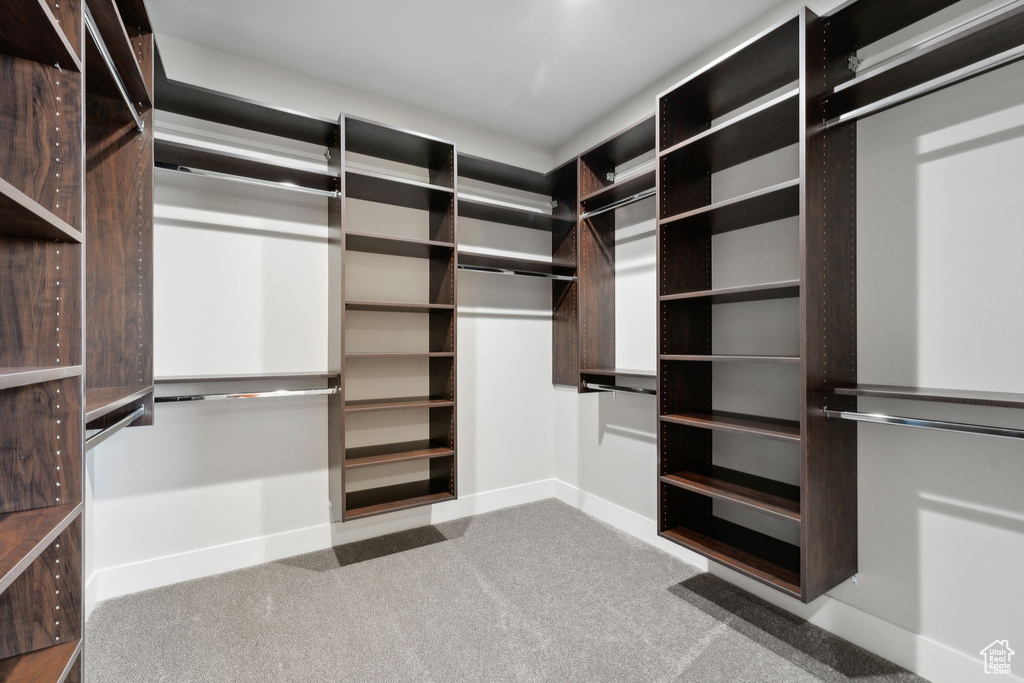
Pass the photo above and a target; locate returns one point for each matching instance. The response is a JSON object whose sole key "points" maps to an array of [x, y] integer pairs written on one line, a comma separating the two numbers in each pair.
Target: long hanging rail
{"points": [[939, 425], [90, 25], [242, 179]]}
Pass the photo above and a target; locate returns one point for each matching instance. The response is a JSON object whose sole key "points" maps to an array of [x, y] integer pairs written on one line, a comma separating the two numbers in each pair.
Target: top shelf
{"points": [[992, 399], [506, 175], [399, 145], [29, 30], [868, 21], [636, 140], [760, 66], [209, 105], [922, 68]]}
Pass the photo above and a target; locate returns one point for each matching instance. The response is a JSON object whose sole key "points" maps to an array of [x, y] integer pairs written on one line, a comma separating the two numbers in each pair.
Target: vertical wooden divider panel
{"points": [[336, 327]]}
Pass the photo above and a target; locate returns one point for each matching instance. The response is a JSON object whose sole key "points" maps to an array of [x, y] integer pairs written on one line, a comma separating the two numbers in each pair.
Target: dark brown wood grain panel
{"points": [[565, 295], [596, 286], [42, 134], [757, 493], [866, 21], [828, 321], [43, 606], [336, 240], [370, 502], [22, 533], [42, 31], [41, 445], [42, 666], [123, 52]]}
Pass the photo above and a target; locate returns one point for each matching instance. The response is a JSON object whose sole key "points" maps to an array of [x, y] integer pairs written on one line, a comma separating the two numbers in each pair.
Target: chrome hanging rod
{"points": [[243, 179], [187, 398], [939, 425], [619, 204], [521, 273], [508, 205], [614, 388], [98, 438], [90, 24], [978, 68]]}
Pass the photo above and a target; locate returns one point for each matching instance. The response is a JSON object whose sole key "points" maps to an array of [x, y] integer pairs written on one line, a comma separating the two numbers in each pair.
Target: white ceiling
{"points": [[540, 70]]}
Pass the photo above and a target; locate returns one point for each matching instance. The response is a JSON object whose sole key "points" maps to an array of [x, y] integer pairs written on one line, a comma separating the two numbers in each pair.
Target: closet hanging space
{"points": [[42, 232]]}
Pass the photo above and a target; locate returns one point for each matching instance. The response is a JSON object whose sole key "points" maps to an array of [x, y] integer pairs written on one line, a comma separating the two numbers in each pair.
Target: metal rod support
{"points": [[187, 398], [521, 273], [101, 46], [98, 438], [616, 388], [939, 425], [248, 181], [619, 204], [636, 170], [953, 77]]}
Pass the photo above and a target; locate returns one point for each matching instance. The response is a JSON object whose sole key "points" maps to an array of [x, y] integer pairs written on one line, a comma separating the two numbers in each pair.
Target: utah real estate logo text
{"points": [[997, 657]]}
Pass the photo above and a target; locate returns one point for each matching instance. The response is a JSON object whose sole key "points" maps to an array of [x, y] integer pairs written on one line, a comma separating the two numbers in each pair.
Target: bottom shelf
{"points": [[51, 664], [760, 557], [370, 502]]}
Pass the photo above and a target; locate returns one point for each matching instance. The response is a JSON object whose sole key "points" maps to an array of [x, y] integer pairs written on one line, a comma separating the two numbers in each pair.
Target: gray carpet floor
{"points": [[540, 592]]}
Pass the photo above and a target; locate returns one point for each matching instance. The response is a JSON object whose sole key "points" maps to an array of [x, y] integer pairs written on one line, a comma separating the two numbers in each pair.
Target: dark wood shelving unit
{"points": [[42, 350], [29, 30], [920, 66], [520, 266], [756, 208], [868, 21], [175, 155], [396, 246], [103, 401], [990, 399], [58, 664], [499, 212], [700, 134], [437, 199], [122, 49], [598, 194]]}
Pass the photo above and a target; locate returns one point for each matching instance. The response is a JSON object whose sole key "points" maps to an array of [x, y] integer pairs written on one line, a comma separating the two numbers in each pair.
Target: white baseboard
{"points": [[111, 582], [920, 654]]}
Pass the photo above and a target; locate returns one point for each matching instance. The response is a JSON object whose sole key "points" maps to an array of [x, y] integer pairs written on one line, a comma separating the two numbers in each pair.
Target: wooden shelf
{"points": [[395, 307], [376, 501], [19, 377], [764, 427], [102, 401], [396, 356], [193, 379], [626, 145], [381, 188], [520, 266], [379, 404], [991, 399], [397, 246], [618, 191], [505, 175], [29, 30], [209, 105], [756, 208], [787, 289], [766, 495], [753, 554], [767, 128], [240, 164], [112, 30], [719, 358], [22, 216], [49, 665], [762, 65], [25, 535], [366, 456], [396, 144], [867, 21], [619, 372], [1000, 32], [496, 212]]}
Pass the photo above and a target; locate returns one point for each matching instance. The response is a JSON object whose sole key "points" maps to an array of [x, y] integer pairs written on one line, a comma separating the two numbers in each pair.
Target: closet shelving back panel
{"points": [[42, 231], [372, 470], [762, 98], [119, 215]]}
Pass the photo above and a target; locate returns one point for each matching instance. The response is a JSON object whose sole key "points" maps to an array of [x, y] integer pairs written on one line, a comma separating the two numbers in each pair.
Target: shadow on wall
{"points": [[813, 649]]}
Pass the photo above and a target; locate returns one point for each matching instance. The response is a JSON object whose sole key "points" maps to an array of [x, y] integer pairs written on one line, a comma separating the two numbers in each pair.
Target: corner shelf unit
{"points": [[764, 96], [436, 197], [559, 187], [602, 190], [42, 245]]}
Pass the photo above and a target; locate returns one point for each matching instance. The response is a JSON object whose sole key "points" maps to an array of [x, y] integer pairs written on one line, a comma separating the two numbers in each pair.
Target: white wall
{"points": [[941, 516]]}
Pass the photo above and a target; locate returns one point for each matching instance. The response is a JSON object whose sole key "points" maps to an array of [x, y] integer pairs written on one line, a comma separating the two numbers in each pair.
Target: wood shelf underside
{"points": [[764, 427], [369, 502], [774, 498]]}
